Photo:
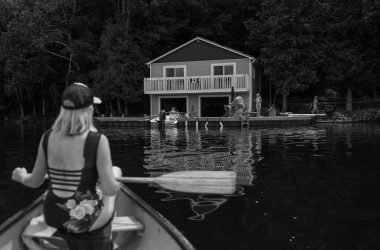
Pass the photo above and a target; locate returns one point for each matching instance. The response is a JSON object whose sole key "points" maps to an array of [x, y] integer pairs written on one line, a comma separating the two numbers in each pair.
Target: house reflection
{"points": [[201, 205], [184, 150]]}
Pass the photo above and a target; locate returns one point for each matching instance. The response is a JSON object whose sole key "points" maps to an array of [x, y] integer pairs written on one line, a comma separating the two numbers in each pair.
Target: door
{"points": [[213, 106], [178, 103]]}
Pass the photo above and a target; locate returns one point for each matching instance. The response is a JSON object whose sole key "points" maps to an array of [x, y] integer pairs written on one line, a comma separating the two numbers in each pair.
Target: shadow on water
{"points": [[315, 187], [18, 148]]}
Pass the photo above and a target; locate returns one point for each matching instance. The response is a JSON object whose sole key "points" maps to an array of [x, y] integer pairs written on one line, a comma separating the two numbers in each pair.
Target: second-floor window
{"points": [[223, 75], [176, 71], [223, 69], [171, 74]]}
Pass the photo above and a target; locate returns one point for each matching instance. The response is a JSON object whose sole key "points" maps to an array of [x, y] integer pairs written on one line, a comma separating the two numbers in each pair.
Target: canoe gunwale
{"points": [[165, 223]]}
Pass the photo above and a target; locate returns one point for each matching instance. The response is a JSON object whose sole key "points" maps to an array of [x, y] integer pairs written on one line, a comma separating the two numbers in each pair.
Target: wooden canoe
{"points": [[158, 232]]}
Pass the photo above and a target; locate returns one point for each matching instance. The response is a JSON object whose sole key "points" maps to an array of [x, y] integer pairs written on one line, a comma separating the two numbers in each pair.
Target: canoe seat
{"points": [[37, 230]]}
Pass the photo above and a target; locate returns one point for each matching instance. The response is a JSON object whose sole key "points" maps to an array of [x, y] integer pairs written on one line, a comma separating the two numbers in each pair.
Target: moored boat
{"points": [[168, 122], [157, 233]]}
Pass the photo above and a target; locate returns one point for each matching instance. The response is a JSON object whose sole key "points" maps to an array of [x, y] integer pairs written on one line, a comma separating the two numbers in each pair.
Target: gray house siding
{"points": [[197, 57], [200, 68], [199, 51], [203, 68]]}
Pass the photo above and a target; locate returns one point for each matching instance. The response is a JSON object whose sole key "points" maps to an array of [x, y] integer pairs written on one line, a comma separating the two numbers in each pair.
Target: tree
{"points": [[47, 45], [353, 38], [291, 50], [121, 62]]}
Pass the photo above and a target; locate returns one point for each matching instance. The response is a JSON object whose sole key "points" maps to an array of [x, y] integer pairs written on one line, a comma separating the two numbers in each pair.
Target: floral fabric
{"points": [[83, 209]]}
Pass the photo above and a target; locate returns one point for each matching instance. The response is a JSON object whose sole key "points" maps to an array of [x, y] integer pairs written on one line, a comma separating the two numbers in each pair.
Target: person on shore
{"points": [[76, 158], [173, 114], [272, 110], [193, 113], [315, 106], [258, 101], [162, 118]]}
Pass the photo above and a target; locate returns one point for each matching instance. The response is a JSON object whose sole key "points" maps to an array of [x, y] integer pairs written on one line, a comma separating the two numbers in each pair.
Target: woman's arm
{"points": [[108, 183], [37, 177]]}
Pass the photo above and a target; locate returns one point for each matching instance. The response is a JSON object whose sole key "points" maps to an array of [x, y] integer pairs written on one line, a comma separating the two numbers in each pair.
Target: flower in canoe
{"points": [[71, 203], [78, 213], [83, 210], [89, 206]]}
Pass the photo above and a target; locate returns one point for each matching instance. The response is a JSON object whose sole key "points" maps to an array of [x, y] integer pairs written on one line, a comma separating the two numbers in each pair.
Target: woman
{"points": [[75, 157], [315, 106], [258, 101]]}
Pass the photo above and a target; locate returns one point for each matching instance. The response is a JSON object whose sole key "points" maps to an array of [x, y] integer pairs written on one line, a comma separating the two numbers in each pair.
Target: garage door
{"points": [[213, 106]]}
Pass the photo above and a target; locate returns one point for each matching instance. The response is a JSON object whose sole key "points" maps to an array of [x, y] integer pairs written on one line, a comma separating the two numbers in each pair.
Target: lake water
{"points": [[315, 187]]}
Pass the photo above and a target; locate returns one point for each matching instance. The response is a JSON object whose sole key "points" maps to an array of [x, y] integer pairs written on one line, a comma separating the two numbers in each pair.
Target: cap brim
{"points": [[97, 100]]}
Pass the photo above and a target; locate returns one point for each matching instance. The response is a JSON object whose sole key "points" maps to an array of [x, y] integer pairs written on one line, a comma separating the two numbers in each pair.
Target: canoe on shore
{"points": [[155, 232]]}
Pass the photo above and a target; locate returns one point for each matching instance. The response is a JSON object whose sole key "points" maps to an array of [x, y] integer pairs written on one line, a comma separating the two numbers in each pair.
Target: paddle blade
{"points": [[210, 182], [210, 175], [199, 189]]}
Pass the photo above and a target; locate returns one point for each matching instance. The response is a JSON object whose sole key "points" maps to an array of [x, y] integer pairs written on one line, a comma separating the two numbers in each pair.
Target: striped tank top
{"points": [[58, 211]]}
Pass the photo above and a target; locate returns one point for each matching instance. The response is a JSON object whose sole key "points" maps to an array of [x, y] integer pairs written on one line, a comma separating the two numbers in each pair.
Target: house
{"points": [[202, 76]]}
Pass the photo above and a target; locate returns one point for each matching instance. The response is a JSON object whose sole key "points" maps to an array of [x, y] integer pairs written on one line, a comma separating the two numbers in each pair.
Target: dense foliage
{"points": [[328, 44], [45, 45]]}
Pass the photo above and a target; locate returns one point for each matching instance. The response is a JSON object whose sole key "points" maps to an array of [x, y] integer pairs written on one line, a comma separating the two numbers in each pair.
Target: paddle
{"points": [[207, 182], [211, 182]]}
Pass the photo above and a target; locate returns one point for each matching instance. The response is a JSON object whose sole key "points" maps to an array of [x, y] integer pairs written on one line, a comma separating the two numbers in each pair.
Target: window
{"points": [[220, 70], [173, 75], [223, 75], [176, 71]]}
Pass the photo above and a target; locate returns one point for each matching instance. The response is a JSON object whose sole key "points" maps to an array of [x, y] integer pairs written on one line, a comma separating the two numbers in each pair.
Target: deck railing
{"points": [[196, 84]]}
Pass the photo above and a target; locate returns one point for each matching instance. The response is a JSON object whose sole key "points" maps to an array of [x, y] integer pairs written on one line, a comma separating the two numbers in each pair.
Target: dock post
{"points": [[220, 123], [196, 124], [206, 123], [185, 122]]}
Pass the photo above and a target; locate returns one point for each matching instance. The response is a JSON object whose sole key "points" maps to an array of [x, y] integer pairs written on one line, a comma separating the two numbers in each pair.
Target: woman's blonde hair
{"points": [[74, 122]]}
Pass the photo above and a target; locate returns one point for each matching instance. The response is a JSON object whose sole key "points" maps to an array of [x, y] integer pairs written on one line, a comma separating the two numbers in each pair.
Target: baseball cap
{"points": [[78, 96]]}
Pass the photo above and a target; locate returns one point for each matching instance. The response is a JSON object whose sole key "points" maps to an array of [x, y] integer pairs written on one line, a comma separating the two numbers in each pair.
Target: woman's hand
{"points": [[19, 174]]}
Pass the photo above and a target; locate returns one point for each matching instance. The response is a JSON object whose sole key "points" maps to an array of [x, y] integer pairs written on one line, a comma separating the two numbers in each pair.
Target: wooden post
{"points": [[270, 92], [348, 99]]}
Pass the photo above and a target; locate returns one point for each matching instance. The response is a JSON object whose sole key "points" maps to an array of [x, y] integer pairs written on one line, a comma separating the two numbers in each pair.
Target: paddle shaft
{"points": [[135, 179]]}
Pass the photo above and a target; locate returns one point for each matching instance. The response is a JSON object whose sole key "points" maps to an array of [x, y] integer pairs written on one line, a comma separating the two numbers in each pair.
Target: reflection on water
{"points": [[311, 187], [197, 151], [166, 153], [201, 205]]}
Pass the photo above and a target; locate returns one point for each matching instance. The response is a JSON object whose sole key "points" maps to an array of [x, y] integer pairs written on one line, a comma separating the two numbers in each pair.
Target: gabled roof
{"points": [[206, 41]]}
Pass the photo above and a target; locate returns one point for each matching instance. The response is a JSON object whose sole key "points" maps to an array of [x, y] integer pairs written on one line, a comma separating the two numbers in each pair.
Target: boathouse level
{"points": [[200, 76]]}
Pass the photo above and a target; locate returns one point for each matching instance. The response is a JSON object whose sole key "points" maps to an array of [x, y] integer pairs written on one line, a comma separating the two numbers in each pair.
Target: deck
{"points": [[212, 122]]}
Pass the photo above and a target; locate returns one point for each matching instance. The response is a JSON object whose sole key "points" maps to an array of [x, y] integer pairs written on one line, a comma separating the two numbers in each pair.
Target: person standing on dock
{"points": [[162, 118], [258, 101], [315, 106], [75, 157], [193, 113], [173, 114]]}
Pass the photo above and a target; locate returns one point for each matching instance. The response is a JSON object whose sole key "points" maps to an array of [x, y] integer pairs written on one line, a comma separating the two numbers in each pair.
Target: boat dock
{"points": [[211, 122]]}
